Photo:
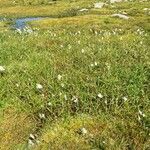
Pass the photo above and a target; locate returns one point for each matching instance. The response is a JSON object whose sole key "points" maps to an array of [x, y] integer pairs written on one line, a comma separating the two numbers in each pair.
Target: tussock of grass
{"points": [[80, 20], [65, 134], [4, 26], [58, 9], [101, 134], [15, 128]]}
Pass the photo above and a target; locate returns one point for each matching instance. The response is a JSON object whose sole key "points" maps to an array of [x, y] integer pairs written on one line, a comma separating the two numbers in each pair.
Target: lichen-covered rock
{"points": [[120, 16]]}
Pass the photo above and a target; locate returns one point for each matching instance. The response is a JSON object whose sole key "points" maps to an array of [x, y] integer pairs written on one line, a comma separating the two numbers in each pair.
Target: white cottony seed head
{"points": [[124, 98], [83, 131], [65, 97], [32, 136], [37, 141], [30, 143], [62, 85], [17, 85], [92, 65], [75, 99], [82, 50], [79, 42], [49, 104], [59, 77], [42, 116], [39, 87], [141, 113], [139, 118], [2, 69], [95, 63], [100, 95]]}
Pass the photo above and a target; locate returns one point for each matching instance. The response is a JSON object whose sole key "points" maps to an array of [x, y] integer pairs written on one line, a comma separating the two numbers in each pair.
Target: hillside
{"points": [[74, 74]]}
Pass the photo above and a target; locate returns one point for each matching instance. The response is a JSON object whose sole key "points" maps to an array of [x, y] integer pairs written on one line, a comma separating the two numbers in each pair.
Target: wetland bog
{"points": [[76, 76]]}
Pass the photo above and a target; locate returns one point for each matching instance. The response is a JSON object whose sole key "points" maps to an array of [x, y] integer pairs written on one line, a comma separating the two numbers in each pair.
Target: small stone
{"points": [[120, 16], [84, 9]]}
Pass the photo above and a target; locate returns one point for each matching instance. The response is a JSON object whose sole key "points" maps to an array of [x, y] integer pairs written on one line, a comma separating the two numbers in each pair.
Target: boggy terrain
{"points": [[77, 79]]}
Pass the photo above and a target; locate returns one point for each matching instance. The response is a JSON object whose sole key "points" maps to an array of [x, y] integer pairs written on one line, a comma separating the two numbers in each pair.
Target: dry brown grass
{"points": [[15, 128], [66, 135]]}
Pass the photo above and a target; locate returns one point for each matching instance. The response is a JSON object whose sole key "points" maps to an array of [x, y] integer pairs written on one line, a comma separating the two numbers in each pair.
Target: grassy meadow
{"points": [[77, 79]]}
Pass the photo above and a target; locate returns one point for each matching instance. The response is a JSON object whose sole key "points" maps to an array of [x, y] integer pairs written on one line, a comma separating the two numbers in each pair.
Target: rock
{"points": [[99, 5], [120, 16], [84, 9], [116, 1]]}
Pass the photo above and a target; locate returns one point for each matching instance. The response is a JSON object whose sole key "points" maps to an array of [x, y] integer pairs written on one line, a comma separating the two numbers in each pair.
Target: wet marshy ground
{"points": [[20, 23]]}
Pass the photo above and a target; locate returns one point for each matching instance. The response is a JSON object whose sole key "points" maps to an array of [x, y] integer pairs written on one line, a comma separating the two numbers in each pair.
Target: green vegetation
{"points": [[79, 80]]}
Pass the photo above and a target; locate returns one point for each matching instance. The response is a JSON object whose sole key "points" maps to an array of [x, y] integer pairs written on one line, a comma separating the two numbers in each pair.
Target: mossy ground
{"points": [[95, 73]]}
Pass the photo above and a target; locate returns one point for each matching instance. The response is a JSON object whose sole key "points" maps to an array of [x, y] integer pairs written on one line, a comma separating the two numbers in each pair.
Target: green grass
{"points": [[56, 9], [95, 73]]}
